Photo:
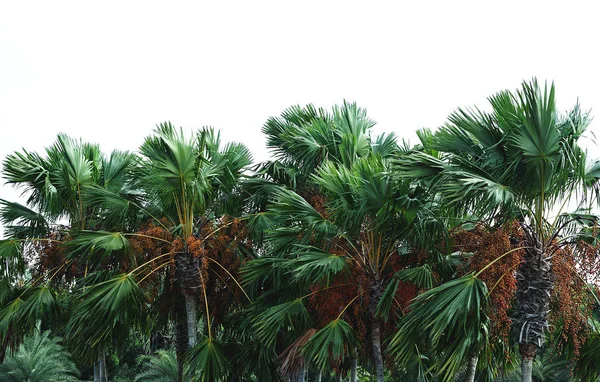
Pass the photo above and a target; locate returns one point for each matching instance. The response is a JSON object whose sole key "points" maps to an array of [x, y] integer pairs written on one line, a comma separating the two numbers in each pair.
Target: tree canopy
{"points": [[472, 255]]}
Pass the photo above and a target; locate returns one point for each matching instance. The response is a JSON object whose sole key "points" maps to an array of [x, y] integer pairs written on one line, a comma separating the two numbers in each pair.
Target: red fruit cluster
{"points": [[569, 306], [490, 249]]}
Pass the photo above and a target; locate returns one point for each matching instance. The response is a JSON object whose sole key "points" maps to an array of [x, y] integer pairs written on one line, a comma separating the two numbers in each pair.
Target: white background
{"points": [[109, 71]]}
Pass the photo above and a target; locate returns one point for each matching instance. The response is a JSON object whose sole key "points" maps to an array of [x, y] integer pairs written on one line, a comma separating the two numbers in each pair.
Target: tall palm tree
{"points": [[56, 188], [340, 216], [191, 181], [520, 161], [186, 186]]}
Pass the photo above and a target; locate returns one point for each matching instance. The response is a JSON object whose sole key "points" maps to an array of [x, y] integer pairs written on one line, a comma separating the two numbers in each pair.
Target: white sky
{"points": [[109, 71]]}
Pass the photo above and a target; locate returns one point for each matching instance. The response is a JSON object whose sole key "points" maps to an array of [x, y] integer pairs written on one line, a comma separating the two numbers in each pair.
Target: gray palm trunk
{"points": [[100, 374], [377, 354], [526, 369], [181, 339], [191, 320], [471, 369], [318, 377], [353, 368], [534, 287], [376, 293], [186, 269], [96, 372]]}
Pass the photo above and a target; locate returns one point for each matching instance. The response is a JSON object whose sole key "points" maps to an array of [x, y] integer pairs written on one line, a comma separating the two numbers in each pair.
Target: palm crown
{"points": [[519, 161]]}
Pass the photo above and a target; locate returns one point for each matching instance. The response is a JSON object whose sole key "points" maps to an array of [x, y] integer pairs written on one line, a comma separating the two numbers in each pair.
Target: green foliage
{"points": [[586, 366], [90, 242], [20, 316], [269, 322], [21, 222], [186, 176], [161, 368], [207, 362], [545, 369], [332, 342], [12, 263], [421, 276], [333, 199], [449, 320], [486, 156], [313, 265], [40, 358], [108, 311]]}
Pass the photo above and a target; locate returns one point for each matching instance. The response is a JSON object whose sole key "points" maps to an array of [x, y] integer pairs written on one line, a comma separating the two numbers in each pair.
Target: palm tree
{"points": [[190, 181], [347, 219], [187, 185], [521, 161], [39, 358], [161, 368], [56, 185]]}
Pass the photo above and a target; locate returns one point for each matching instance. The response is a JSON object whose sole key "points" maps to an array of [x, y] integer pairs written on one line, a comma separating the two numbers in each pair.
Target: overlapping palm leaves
{"points": [[519, 161], [56, 186], [39, 358], [188, 182], [349, 215], [335, 208]]}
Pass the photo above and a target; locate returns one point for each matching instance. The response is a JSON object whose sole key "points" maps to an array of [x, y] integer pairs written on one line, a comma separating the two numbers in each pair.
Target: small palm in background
{"points": [[162, 368], [39, 358], [544, 370]]}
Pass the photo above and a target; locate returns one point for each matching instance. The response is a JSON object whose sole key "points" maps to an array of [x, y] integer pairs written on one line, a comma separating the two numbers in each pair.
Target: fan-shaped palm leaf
{"points": [[207, 362], [332, 342], [452, 317]]}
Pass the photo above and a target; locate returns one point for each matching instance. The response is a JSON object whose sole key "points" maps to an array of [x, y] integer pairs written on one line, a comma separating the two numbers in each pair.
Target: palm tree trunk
{"points": [[534, 287], [377, 354], [96, 371], [189, 281], [528, 352], [181, 338], [301, 375], [102, 377], [186, 270], [353, 368], [192, 322], [376, 293], [318, 377], [526, 369], [471, 369]]}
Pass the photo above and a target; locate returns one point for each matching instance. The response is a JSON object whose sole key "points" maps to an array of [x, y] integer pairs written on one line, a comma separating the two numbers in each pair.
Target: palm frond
{"points": [[313, 265], [421, 276], [40, 358], [22, 222], [291, 359], [331, 343], [452, 318], [208, 362], [161, 368], [86, 243], [269, 323], [115, 169], [586, 366], [297, 211], [11, 253], [107, 312]]}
